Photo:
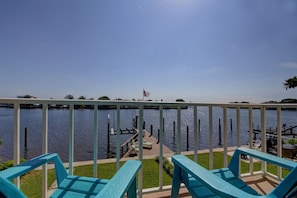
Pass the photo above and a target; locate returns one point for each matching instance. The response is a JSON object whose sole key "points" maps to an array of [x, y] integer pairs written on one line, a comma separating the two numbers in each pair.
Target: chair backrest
{"points": [[9, 190], [124, 181], [288, 185]]}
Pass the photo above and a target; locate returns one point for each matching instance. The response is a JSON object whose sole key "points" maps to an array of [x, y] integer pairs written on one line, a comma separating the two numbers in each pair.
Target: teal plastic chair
{"points": [[225, 182], [122, 183]]}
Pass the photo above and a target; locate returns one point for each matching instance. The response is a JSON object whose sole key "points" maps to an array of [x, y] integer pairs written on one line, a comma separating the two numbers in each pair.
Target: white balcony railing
{"points": [[243, 114]]}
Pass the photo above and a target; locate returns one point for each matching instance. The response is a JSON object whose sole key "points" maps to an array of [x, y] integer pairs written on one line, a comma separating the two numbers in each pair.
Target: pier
{"points": [[273, 133], [150, 145], [154, 149], [130, 147]]}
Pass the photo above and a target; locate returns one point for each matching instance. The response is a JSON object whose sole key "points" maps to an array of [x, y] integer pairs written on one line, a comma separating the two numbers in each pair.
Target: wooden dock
{"points": [[285, 131], [154, 151]]}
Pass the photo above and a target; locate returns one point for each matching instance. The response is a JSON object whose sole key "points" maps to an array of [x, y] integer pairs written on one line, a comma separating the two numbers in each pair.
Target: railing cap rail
{"points": [[138, 103]]}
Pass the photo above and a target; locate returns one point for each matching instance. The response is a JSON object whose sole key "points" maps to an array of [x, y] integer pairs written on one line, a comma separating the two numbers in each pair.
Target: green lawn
{"points": [[31, 183]]}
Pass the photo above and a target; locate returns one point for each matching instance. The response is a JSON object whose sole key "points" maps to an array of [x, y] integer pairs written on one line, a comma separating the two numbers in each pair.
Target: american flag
{"points": [[146, 93]]}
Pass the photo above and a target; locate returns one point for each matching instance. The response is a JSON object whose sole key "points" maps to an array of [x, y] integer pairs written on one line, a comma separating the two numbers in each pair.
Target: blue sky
{"points": [[198, 50]]}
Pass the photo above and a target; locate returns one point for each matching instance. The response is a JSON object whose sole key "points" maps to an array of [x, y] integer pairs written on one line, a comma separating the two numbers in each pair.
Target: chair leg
{"points": [[131, 193], [176, 181]]}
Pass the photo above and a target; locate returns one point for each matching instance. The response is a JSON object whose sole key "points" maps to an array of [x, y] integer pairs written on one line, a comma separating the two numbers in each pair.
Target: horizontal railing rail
{"points": [[140, 107]]}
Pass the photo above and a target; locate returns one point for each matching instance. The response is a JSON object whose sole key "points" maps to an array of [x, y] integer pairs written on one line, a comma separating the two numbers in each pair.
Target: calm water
{"points": [[58, 129]]}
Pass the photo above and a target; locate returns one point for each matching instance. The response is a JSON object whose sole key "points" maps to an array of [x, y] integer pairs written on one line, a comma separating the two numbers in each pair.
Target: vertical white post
{"points": [[225, 137], [95, 140], [118, 152], [140, 136], [210, 137], [161, 148], [178, 129], [238, 126], [71, 138], [238, 130], [44, 147], [16, 140], [251, 136], [279, 139], [195, 135], [263, 137]]}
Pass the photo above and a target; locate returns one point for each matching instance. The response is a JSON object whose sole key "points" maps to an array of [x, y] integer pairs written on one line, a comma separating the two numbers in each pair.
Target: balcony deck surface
{"points": [[261, 185]]}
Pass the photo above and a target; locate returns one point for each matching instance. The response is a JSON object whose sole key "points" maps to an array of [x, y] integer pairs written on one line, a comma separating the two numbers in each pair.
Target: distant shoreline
{"points": [[33, 106]]}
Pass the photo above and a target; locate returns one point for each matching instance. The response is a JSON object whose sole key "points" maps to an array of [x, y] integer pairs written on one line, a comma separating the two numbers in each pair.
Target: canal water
{"points": [[58, 129]]}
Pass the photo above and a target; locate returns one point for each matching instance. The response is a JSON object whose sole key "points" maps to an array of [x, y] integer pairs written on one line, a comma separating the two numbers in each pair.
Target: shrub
{"points": [[8, 164], [292, 141], [167, 166]]}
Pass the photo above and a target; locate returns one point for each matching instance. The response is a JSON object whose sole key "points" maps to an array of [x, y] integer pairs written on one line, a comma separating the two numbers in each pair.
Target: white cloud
{"points": [[289, 65]]}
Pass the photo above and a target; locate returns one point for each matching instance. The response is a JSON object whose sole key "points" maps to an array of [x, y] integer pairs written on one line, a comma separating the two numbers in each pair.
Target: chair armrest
{"points": [[234, 163], [8, 189], [31, 164], [213, 182], [123, 181]]}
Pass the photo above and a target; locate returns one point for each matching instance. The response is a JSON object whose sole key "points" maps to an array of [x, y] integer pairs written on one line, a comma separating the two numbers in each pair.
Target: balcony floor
{"points": [[257, 182]]}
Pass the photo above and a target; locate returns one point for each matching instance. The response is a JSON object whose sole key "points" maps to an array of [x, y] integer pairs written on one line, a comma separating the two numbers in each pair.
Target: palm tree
{"points": [[291, 83]]}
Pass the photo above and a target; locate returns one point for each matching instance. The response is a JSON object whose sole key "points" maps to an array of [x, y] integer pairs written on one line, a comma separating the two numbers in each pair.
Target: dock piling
{"points": [[187, 138], [158, 136], [220, 132], [26, 136], [173, 128]]}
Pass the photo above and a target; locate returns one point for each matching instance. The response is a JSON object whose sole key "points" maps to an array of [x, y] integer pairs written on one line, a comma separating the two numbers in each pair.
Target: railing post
{"points": [[118, 149], [210, 137], [160, 139], [195, 135], [238, 129], [44, 147], [225, 137], [95, 140], [251, 136], [238, 125], [263, 136], [178, 130], [279, 139], [16, 140], [71, 138], [140, 153]]}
